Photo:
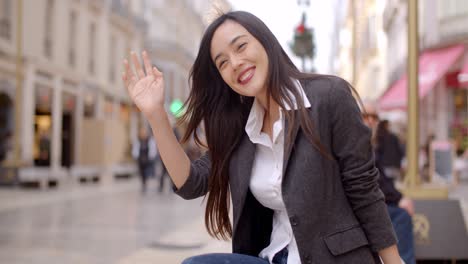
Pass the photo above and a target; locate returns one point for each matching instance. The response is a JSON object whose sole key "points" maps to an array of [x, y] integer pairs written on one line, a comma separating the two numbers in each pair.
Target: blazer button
{"points": [[293, 220]]}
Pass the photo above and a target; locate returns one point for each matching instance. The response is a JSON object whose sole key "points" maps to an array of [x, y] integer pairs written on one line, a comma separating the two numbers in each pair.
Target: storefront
{"points": [[457, 82], [441, 108]]}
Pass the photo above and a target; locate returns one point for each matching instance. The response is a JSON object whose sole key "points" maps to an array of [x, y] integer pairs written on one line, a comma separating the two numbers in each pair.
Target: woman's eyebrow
{"points": [[230, 44]]}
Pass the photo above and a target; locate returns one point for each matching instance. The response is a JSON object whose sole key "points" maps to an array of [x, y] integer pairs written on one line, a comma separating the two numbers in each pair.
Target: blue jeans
{"points": [[403, 226], [226, 258]]}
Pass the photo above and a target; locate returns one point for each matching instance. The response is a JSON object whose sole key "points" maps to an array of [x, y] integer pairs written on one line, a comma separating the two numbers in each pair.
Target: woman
{"points": [[290, 148], [389, 150]]}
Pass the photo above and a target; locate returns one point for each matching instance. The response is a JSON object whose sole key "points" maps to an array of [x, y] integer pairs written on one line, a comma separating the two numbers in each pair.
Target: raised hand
{"points": [[145, 89]]}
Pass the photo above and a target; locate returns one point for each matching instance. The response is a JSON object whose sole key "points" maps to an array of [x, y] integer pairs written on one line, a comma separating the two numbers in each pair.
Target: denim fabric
{"points": [[281, 257], [403, 226], [227, 258], [224, 258]]}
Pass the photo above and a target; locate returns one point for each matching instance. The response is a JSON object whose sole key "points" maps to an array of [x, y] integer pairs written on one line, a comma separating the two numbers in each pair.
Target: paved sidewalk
{"points": [[173, 248]]}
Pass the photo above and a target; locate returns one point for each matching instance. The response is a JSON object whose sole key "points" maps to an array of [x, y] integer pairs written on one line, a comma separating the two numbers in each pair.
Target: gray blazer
{"points": [[336, 209]]}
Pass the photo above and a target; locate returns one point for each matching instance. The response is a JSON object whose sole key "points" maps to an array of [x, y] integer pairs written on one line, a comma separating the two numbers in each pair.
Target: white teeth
{"points": [[245, 75]]}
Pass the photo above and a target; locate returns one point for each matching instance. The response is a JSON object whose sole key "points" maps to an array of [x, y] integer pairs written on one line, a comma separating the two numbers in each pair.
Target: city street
{"points": [[110, 222]]}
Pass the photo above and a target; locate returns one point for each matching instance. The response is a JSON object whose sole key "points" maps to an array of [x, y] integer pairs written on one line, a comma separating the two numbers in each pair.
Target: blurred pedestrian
{"points": [[44, 148], [400, 208], [5, 137], [289, 148], [163, 172], [389, 149], [144, 152]]}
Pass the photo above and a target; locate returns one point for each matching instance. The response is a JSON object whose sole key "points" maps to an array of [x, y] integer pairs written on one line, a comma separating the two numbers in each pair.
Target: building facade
{"points": [[363, 48], [71, 81]]}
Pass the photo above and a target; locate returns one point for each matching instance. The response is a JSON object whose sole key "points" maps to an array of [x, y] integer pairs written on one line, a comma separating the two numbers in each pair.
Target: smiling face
{"points": [[240, 59]]}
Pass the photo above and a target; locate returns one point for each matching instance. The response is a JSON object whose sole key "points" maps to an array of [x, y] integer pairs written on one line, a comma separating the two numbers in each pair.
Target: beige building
{"points": [[72, 90], [362, 48]]}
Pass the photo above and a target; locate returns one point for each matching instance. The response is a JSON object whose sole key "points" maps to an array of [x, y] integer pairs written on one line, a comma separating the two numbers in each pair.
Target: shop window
{"points": [[6, 130], [459, 128], [42, 126], [89, 104]]}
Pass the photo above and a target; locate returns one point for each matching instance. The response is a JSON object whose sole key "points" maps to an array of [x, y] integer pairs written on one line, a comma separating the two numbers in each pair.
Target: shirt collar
{"points": [[257, 113], [294, 100]]}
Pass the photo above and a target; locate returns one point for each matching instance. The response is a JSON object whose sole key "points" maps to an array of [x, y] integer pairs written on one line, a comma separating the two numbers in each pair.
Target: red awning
{"points": [[463, 75], [433, 65]]}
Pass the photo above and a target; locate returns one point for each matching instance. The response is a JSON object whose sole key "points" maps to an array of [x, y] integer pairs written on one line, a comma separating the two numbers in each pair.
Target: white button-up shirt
{"points": [[267, 176]]}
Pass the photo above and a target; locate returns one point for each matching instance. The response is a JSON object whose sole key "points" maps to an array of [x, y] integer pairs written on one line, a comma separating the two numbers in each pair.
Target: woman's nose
{"points": [[236, 62]]}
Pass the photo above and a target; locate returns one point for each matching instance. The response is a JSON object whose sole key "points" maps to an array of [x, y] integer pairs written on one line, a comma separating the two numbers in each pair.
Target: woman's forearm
{"points": [[172, 154], [390, 255]]}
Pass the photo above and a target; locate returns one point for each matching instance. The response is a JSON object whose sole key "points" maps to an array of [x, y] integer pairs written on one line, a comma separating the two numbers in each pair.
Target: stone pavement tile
{"points": [[14, 198], [174, 247], [43, 256]]}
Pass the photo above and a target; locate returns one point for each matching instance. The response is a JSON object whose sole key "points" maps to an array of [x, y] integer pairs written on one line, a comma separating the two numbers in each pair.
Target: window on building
{"points": [[112, 55], [72, 38], [92, 48], [49, 28], [5, 19]]}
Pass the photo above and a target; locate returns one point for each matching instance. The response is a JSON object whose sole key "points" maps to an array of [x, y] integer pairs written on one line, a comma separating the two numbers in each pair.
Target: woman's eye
{"points": [[221, 64], [241, 46]]}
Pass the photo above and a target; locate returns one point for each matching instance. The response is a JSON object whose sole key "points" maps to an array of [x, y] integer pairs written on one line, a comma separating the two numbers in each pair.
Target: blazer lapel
{"points": [[240, 172], [288, 146]]}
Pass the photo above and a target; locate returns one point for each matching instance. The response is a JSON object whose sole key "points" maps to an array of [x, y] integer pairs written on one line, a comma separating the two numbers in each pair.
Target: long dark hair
{"points": [[224, 112]]}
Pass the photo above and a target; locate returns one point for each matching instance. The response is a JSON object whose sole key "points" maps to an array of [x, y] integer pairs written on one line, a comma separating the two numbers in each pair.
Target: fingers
{"points": [[136, 63], [156, 72], [128, 77], [146, 62]]}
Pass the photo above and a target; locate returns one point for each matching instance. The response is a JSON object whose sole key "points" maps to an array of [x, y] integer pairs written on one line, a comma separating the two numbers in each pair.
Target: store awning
{"points": [[463, 75], [433, 65]]}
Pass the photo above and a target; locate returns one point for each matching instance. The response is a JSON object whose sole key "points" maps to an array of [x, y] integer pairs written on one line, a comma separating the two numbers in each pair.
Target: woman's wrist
{"points": [[156, 116], [390, 255]]}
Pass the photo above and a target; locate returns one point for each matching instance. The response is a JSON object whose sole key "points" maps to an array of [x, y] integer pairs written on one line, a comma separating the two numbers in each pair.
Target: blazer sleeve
{"points": [[351, 146], [196, 184]]}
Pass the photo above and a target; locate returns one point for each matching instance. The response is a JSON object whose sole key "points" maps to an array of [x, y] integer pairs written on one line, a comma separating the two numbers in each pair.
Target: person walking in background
{"points": [[399, 208], [290, 149], [144, 152], [44, 148], [389, 150]]}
